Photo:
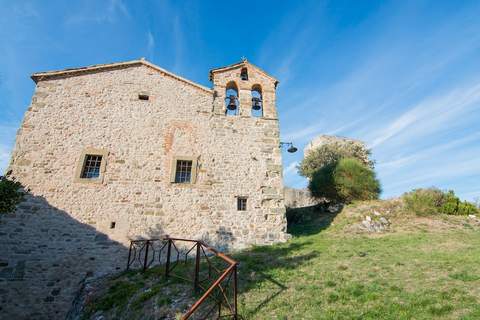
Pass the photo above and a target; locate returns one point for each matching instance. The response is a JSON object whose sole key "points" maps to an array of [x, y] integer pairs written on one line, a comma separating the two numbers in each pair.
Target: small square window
{"points": [[242, 204], [143, 96], [91, 166], [183, 171]]}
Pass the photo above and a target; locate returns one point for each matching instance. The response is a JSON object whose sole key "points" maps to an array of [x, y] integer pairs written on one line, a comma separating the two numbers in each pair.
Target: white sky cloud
{"points": [[150, 46], [430, 115], [291, 168], [100, 12]]}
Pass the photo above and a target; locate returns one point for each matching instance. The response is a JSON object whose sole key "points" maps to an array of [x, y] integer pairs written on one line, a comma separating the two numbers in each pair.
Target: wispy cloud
{"points": [[300, 27], [305, 132], [178, 45], [150, 46], [430, 115], [25, 10], [312, 131], [473, 195], [7, 135], [114, 10], [4, 158], [291, 168], [428, 153], [437, 174]]}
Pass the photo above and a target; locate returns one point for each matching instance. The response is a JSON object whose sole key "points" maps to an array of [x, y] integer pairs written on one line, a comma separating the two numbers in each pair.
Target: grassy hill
{"points": [[420, 268]]}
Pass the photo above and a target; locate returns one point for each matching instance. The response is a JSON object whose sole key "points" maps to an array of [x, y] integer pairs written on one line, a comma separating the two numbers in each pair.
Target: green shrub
{"points": [[330, 153], [9, 194], [430, 201], [345, 181], [322, 183], [424, 202], [466, 208], [355, 181]]}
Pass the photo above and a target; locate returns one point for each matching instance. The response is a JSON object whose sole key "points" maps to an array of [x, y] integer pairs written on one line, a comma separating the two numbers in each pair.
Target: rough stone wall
{"points": [[299, 198], [45, 255], [237, 156]]}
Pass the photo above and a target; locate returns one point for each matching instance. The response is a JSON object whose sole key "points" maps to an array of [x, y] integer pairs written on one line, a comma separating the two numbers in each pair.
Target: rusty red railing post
{"points": [[129, 255], [235, 292], [146, 255], [167, 264], [197, 268]]}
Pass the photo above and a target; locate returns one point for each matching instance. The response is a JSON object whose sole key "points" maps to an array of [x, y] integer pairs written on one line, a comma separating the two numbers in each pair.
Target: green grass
{"points": [[425, 269], [323, 274], [139, 295]]}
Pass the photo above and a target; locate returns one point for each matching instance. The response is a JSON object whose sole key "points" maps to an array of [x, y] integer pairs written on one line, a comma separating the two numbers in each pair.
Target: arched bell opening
{"points": [[231, 99], [257, 101]]}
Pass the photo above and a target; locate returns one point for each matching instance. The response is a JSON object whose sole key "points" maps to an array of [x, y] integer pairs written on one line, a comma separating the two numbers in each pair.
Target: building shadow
{"points": [[310, 220], [259, 268], [46, 255]]}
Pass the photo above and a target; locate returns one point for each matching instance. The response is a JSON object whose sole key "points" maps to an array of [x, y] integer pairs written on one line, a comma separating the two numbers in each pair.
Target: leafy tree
{"points": [[331, 152], [345, 181], [9, 194]]}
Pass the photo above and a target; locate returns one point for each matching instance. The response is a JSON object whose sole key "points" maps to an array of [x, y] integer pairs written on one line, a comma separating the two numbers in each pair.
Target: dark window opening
{"points": [[183, 171], [91, 167], [241, 204], [143, 96], [244, 74], [112, 225]]}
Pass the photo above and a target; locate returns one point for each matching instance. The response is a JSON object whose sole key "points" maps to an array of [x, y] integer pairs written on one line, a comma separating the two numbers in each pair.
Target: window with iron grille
{"points": [[242, 204], [183, 171], [91, 166]]}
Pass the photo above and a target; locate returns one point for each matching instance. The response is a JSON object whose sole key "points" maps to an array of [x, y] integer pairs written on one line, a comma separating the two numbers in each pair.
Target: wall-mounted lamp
{"points": [[291, 148]]}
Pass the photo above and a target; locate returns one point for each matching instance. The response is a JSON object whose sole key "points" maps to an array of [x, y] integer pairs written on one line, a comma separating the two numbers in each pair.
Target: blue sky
{"points": [[404, 76]]}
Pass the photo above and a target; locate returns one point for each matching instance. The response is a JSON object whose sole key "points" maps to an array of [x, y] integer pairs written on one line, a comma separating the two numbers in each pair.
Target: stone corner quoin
{"points": [[143, 120]]}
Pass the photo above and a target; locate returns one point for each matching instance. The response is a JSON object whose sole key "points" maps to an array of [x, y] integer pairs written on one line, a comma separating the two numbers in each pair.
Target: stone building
{"points": [[133, 150]]}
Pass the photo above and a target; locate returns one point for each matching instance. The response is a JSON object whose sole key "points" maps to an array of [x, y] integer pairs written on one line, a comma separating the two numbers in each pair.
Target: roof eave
{"points": [[39, 76], [238, 64]]}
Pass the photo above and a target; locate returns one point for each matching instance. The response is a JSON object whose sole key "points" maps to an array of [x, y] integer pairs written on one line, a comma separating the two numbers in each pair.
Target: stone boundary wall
{"points": [[299, 198]]}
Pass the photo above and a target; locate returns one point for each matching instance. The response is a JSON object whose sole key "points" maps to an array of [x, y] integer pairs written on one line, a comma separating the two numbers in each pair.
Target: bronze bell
{"points": [[232, 103], [256, 103]]}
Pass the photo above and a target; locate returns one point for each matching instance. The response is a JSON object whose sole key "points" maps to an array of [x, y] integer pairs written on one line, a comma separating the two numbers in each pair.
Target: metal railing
{"points": [[213, 274]]}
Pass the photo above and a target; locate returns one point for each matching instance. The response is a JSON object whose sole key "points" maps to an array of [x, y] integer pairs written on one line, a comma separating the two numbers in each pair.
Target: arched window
{"points": [[257, 102], [231, 99]]}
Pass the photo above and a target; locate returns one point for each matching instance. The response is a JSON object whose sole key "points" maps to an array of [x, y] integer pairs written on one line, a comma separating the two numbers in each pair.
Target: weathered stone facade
{"points": [[99, 108], [45, 256], [63, 232]]}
